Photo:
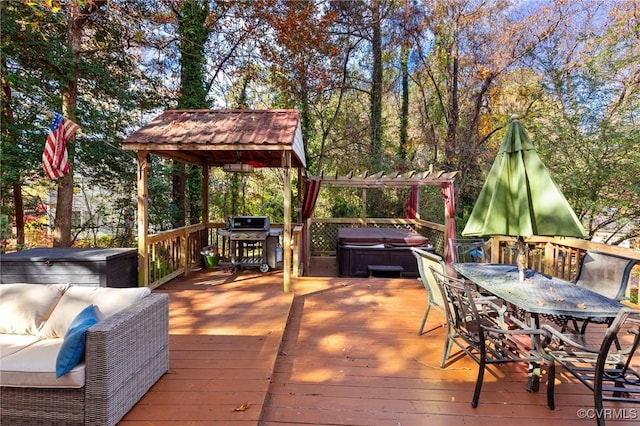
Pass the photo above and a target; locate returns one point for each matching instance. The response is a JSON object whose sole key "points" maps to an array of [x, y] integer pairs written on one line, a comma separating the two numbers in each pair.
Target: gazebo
{"points": [[236, 140]]}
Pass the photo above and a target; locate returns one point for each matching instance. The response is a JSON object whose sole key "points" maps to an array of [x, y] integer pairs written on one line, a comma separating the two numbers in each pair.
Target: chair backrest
{"points": [[604, 273], [426, 261], [624, 332], [467, 250], [460, 306]]}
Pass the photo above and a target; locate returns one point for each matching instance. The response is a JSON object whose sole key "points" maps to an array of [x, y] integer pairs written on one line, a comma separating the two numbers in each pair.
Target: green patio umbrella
{"points": [[519, 197]]}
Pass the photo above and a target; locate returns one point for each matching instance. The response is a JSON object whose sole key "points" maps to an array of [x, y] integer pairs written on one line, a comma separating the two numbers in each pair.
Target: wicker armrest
{"points": [[125, 355]]}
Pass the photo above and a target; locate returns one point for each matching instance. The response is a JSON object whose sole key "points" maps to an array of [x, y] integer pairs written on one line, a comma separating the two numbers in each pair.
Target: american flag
{"points": [[54, 157]]}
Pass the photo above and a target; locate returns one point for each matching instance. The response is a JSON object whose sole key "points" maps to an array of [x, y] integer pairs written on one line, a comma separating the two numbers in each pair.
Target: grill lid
{"points": [[260, 223]]}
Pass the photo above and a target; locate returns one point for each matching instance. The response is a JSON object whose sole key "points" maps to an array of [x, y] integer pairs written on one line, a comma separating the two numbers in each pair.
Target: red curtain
{"points": [[311, 190], [448, 193], [413, 200]]}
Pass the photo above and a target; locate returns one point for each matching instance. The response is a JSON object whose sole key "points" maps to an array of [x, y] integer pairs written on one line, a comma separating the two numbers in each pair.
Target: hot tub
{"points": [[359, 247]]}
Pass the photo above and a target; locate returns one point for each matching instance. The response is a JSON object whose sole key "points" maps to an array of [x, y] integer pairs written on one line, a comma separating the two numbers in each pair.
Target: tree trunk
{"points": [[8, 133], [64, 202], [77, 16], [178, 217], [193, 32], [376, 82], [453, 109], [404, 114], [194, 179], [19, 207]]}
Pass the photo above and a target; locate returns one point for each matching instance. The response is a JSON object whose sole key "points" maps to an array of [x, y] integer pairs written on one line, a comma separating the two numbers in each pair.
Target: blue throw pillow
{"points": [[72, 349]]}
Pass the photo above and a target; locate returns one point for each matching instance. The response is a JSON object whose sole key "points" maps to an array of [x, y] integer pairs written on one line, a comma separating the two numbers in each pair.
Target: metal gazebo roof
{"points": [[219, 137]]}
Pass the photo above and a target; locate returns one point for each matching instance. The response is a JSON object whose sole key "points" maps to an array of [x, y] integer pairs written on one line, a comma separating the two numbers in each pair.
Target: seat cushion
{"points": [[35, 367], [12, 343], [25, 307], [107, 301], [72, 349]]}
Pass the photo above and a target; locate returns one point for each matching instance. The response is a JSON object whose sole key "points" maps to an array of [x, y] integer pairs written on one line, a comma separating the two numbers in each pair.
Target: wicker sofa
{"points": [[125, 353]]}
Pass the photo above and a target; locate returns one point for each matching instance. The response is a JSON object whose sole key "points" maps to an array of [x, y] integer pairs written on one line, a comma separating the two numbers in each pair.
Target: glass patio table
{"points": [[539, 294]]}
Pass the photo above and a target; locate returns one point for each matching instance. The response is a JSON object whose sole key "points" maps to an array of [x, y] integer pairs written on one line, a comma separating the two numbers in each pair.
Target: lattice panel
{"points": [[324, 236], [436, 238]]}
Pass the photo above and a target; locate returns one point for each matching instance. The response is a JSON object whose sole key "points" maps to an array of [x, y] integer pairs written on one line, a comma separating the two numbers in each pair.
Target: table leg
{"points": [[533, 377]]}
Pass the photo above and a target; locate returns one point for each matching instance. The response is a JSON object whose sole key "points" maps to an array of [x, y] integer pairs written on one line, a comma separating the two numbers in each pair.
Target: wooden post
{"points": [[297, 241], [364, 206], [183, 237], [494, 244], [205, 192], [286, 164], [143, 219], [307, 248], [205, 203], [299, 198]]}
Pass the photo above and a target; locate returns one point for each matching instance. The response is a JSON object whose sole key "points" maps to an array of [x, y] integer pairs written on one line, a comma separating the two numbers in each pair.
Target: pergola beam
{"points": [[380, 180]]}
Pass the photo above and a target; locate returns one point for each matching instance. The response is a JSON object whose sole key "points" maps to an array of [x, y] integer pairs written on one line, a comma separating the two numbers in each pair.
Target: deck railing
{"points": [[173, 253], [559, 257], [178, 251]]}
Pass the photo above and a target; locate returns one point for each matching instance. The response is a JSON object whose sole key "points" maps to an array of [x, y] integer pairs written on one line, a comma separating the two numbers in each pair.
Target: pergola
{"points": [[412, 179], [237, 140]]}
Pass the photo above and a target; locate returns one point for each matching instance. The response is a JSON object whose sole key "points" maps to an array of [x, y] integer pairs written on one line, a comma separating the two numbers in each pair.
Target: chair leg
{"points": [[551, 382], [447, 346], [424, 319], [476, 392], [597, 398], [600, 419]]}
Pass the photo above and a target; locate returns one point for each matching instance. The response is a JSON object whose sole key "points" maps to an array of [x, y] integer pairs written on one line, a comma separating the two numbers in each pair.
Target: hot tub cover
{"points": [[390, 237]]}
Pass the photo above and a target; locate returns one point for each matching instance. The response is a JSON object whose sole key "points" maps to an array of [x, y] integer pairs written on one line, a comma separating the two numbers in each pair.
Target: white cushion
{"points": [[107, 301], [35, 367], [25, 307], [12, 343]]}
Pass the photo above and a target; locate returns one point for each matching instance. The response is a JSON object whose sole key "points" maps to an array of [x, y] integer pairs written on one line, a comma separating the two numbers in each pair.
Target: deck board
{"points": [[341, 352], [224, 340]]}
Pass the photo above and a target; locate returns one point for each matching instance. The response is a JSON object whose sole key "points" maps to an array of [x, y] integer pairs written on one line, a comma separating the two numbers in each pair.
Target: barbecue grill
{"points": [[253, 243]]}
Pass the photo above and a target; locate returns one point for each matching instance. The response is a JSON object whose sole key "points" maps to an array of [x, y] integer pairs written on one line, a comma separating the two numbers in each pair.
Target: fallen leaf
{"points": [[243, 407], [582, 306]]}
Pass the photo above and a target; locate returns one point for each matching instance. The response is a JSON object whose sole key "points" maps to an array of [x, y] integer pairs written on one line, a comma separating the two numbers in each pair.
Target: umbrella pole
{"points": [[521, 257]]}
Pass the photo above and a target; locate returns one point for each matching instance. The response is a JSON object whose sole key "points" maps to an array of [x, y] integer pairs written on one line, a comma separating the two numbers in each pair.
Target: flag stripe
{"points": [[55, 158]]}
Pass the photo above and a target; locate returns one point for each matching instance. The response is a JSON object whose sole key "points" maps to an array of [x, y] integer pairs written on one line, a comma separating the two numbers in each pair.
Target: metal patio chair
{"points": [[467, 250], [426, 261], [611, 373], [602, 273], [483, 330]]}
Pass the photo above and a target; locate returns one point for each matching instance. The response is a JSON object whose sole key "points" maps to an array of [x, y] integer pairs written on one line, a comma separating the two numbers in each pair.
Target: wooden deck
{"points": [[335, 352]]}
